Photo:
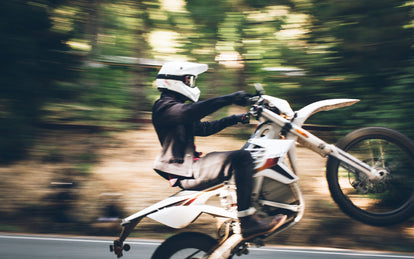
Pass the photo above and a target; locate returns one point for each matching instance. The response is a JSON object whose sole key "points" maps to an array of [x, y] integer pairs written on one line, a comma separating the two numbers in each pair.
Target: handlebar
{"points": [[259, 89]]}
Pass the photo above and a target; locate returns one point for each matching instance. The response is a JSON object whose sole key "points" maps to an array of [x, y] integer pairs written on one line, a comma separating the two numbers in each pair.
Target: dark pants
{"points": [[216, 167]]}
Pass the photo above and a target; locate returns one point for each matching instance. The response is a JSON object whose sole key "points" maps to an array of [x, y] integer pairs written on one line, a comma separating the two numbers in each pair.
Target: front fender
{"points": [[326, 105]]}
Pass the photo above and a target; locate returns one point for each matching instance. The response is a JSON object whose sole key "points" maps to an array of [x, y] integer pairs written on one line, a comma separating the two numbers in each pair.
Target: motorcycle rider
{"points": [[177, 122]]}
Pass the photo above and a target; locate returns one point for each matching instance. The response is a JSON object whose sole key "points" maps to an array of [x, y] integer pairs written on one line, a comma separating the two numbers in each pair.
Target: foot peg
{"points": [[118, 247], [242, 250]]}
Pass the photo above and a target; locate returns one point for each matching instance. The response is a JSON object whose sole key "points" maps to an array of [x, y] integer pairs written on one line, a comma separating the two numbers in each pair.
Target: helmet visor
{"points": [[188, 80]]}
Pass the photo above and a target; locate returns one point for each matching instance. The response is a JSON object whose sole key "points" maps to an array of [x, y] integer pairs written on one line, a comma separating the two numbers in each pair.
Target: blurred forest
{"points": [[94, 61]]}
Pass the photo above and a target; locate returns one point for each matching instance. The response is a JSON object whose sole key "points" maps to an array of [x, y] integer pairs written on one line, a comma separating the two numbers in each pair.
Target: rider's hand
{"points": [[243, 118], [241, 98]]}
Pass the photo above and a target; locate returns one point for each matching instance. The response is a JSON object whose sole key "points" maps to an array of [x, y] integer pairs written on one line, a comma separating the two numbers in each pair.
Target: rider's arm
{"points": [[170, 111], [207, 128]]}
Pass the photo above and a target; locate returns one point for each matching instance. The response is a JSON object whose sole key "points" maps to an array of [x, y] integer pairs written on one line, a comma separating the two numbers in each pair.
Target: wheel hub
{"points": [[378, 185]]}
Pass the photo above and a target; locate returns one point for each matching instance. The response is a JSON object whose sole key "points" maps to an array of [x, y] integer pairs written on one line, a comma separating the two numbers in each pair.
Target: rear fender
{"points": [[170, 201], [182, 208], [182, 216]]}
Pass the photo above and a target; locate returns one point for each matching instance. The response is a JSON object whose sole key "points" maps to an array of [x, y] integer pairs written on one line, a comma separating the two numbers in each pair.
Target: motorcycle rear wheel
{"points": [[387, 202], [188, 245]]}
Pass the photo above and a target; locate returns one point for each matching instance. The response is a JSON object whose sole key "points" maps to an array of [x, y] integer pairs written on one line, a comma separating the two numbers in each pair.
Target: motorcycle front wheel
{"points": [[383, 202], [188, 245]]}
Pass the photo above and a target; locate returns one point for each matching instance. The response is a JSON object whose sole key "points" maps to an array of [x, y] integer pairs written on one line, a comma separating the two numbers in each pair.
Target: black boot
{"points": [[253, 226]]}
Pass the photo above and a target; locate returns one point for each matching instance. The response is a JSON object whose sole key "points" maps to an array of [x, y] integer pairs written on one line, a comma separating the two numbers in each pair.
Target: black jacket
{"points": [[176, 124]]}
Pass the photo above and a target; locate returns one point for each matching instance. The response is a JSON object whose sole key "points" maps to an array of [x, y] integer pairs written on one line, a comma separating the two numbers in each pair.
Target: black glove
{"points": [[243, 118], [241, 98]]}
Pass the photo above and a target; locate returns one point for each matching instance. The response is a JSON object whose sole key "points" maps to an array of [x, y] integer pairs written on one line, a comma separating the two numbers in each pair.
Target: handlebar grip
{"points": [[253, 99]]}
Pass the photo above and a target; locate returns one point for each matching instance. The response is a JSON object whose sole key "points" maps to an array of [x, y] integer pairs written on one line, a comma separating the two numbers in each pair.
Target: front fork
{"points": [[324, 149], [293, 131], [350, 161]]}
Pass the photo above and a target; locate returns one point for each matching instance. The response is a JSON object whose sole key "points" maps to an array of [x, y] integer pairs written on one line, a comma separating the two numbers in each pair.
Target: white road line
{"points": [[333, 252], [75, 239], [269, 249]]}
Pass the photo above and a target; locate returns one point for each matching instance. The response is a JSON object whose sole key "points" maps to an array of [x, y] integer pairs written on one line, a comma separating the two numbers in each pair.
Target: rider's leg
{"points": [[251, 225], [217, 167], [242, 165]]}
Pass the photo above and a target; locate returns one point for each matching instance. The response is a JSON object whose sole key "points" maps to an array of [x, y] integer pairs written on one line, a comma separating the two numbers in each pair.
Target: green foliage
{"points": [[209, 14], [346, 49], [398, 105], [106, 93], [359, 49], [33, 60], [105, 87]]}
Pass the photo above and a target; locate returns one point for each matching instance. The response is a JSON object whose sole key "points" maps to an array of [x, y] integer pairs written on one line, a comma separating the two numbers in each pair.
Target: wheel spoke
{"points": [[380, 196], [387, 197]]}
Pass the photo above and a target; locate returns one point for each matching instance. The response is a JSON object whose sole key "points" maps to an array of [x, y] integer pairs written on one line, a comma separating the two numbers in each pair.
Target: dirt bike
{"points": [[370, 174]]}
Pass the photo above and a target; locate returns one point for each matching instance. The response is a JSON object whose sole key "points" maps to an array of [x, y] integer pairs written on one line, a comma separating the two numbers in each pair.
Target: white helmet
{"points": [[180, 77]]}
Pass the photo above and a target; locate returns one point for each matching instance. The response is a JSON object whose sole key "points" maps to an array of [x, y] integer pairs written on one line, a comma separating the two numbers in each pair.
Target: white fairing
{"points": [[181, 209], [159, 205], [282, 105], [270, 148], [278, 177], [182, 216], [273, 147], [176, 217]]}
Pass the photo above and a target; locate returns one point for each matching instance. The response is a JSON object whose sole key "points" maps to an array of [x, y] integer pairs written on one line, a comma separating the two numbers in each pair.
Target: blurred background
{"points": [[76, 75]]}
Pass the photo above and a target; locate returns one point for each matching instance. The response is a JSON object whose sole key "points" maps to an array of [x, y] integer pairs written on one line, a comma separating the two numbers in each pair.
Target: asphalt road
{"points": [[44, 247]]}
